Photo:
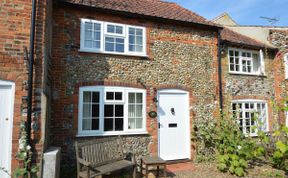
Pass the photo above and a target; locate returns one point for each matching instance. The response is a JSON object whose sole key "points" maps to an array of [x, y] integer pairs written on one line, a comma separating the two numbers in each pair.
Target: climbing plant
{"points": [[24, 155]]}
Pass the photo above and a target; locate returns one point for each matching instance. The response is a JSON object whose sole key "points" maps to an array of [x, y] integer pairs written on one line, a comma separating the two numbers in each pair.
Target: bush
{"points": [[234, 150]]}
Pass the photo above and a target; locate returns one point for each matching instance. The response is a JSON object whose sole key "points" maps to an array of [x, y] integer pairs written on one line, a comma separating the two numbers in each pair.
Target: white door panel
{"points": [[6, 119], [173, 119]]}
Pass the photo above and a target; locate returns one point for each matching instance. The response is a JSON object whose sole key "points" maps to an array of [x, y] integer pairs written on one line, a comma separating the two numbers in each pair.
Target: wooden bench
{"points": [[101, 156]]}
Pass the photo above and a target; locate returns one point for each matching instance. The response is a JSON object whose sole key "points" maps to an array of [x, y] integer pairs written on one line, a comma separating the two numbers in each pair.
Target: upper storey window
{"points": [[246, 62], [112, 38]]}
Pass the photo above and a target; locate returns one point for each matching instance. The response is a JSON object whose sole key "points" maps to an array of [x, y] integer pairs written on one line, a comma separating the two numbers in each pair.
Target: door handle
{"points": [[7, 119]]}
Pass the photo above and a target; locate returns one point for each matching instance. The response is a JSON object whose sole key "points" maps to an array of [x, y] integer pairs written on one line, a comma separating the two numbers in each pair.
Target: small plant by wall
{"points": [[24, 155]]}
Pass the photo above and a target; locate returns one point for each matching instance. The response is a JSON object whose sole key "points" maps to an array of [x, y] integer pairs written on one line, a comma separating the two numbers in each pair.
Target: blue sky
{"points": [[244, 12]]}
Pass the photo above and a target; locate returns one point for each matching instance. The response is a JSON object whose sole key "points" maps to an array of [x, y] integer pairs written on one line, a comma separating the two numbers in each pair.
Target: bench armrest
{"points": [[82, 161]]}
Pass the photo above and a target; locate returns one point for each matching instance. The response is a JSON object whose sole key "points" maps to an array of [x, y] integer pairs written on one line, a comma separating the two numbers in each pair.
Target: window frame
{"points": [[255, 102], [82, 36], [102, 99], [261, 70], [104, 34]]}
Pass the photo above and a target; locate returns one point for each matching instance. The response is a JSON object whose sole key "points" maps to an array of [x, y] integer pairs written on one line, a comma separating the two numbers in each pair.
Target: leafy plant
{"points": [[233, 148], [24, 155]]}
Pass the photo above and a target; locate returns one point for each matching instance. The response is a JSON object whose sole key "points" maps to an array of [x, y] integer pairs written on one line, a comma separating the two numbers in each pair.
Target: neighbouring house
{"points": [[148, 70], [276, 65], [14, 39]]}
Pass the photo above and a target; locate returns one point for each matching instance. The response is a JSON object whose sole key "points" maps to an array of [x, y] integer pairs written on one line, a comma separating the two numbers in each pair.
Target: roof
{"points": [[151, 8], [224, 19], [230, 36]]}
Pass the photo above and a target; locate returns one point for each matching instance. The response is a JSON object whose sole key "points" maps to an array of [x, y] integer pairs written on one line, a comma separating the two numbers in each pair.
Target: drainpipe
{"points": [[30, 74], [220, 73]]}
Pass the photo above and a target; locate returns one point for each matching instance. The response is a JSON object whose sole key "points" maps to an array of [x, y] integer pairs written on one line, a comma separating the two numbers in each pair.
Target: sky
{"points": [[244, 12]]}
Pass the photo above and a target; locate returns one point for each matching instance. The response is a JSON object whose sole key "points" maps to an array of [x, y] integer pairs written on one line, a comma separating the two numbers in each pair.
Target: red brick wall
{"points": [[14, 37]]}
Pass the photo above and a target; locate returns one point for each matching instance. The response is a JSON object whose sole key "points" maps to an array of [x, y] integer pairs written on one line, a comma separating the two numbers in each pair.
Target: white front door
{"points": [[6, 120], [173, 124]]}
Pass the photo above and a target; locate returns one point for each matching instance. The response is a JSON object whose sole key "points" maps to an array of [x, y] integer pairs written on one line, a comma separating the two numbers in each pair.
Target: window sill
{"points": [[112, 134], [248, 74], [113, 53]]}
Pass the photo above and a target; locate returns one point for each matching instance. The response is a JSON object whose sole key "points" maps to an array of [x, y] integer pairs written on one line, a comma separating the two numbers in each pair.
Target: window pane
{"points": [[120, 47], [231, 53], [131, 31], [131, 39], [88, 26], [119, 124], [119, 40], [131, 47], [108, 110], [119, 110], [95, 98], [111, 28], [236, 53], [139, 98], [139, 40], [139, 32], [95, 110], [97, 36], [96, 44], [86, 110], [97, 27], [139, 48], [119, 30], [88, 35], [86, 124], [86, 96], [88, 44], [131, 123], [139, 123], [109, 39], [131, 111], [109, 46], [131, 97], [139, 110], [108, 124], [95, 124], [118, 95], [109, 95]]}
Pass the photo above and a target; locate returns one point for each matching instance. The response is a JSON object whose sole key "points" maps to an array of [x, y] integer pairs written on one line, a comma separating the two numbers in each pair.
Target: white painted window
{"points": [[252, 115], [246, 62], [286, 65], [112, 38], [111, 110]]}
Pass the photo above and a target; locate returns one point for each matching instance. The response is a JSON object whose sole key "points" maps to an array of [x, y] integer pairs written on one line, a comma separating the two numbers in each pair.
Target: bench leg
{"points": [[157, 172], [141, 168], [165, 173], [134, 171], [146, 171]]}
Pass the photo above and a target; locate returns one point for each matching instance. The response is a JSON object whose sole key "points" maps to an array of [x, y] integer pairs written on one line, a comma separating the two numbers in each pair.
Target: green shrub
{"points": [[234, 150]]}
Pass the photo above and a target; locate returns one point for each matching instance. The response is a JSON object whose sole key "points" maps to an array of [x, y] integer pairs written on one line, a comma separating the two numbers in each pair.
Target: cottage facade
{"points": [[150, 71]]}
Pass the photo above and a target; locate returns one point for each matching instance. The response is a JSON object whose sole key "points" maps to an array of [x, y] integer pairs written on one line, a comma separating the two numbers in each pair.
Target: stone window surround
{"points": [[261, 72], [101, 132], [255, 102], [125, 35]]}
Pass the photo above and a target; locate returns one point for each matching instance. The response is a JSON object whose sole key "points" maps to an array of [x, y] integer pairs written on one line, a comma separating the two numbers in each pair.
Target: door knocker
{"points": [[172, 111]]}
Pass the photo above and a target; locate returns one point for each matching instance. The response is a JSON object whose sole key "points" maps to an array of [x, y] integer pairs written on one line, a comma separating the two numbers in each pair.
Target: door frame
{"points": [[12, 85], [188, 130]]}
